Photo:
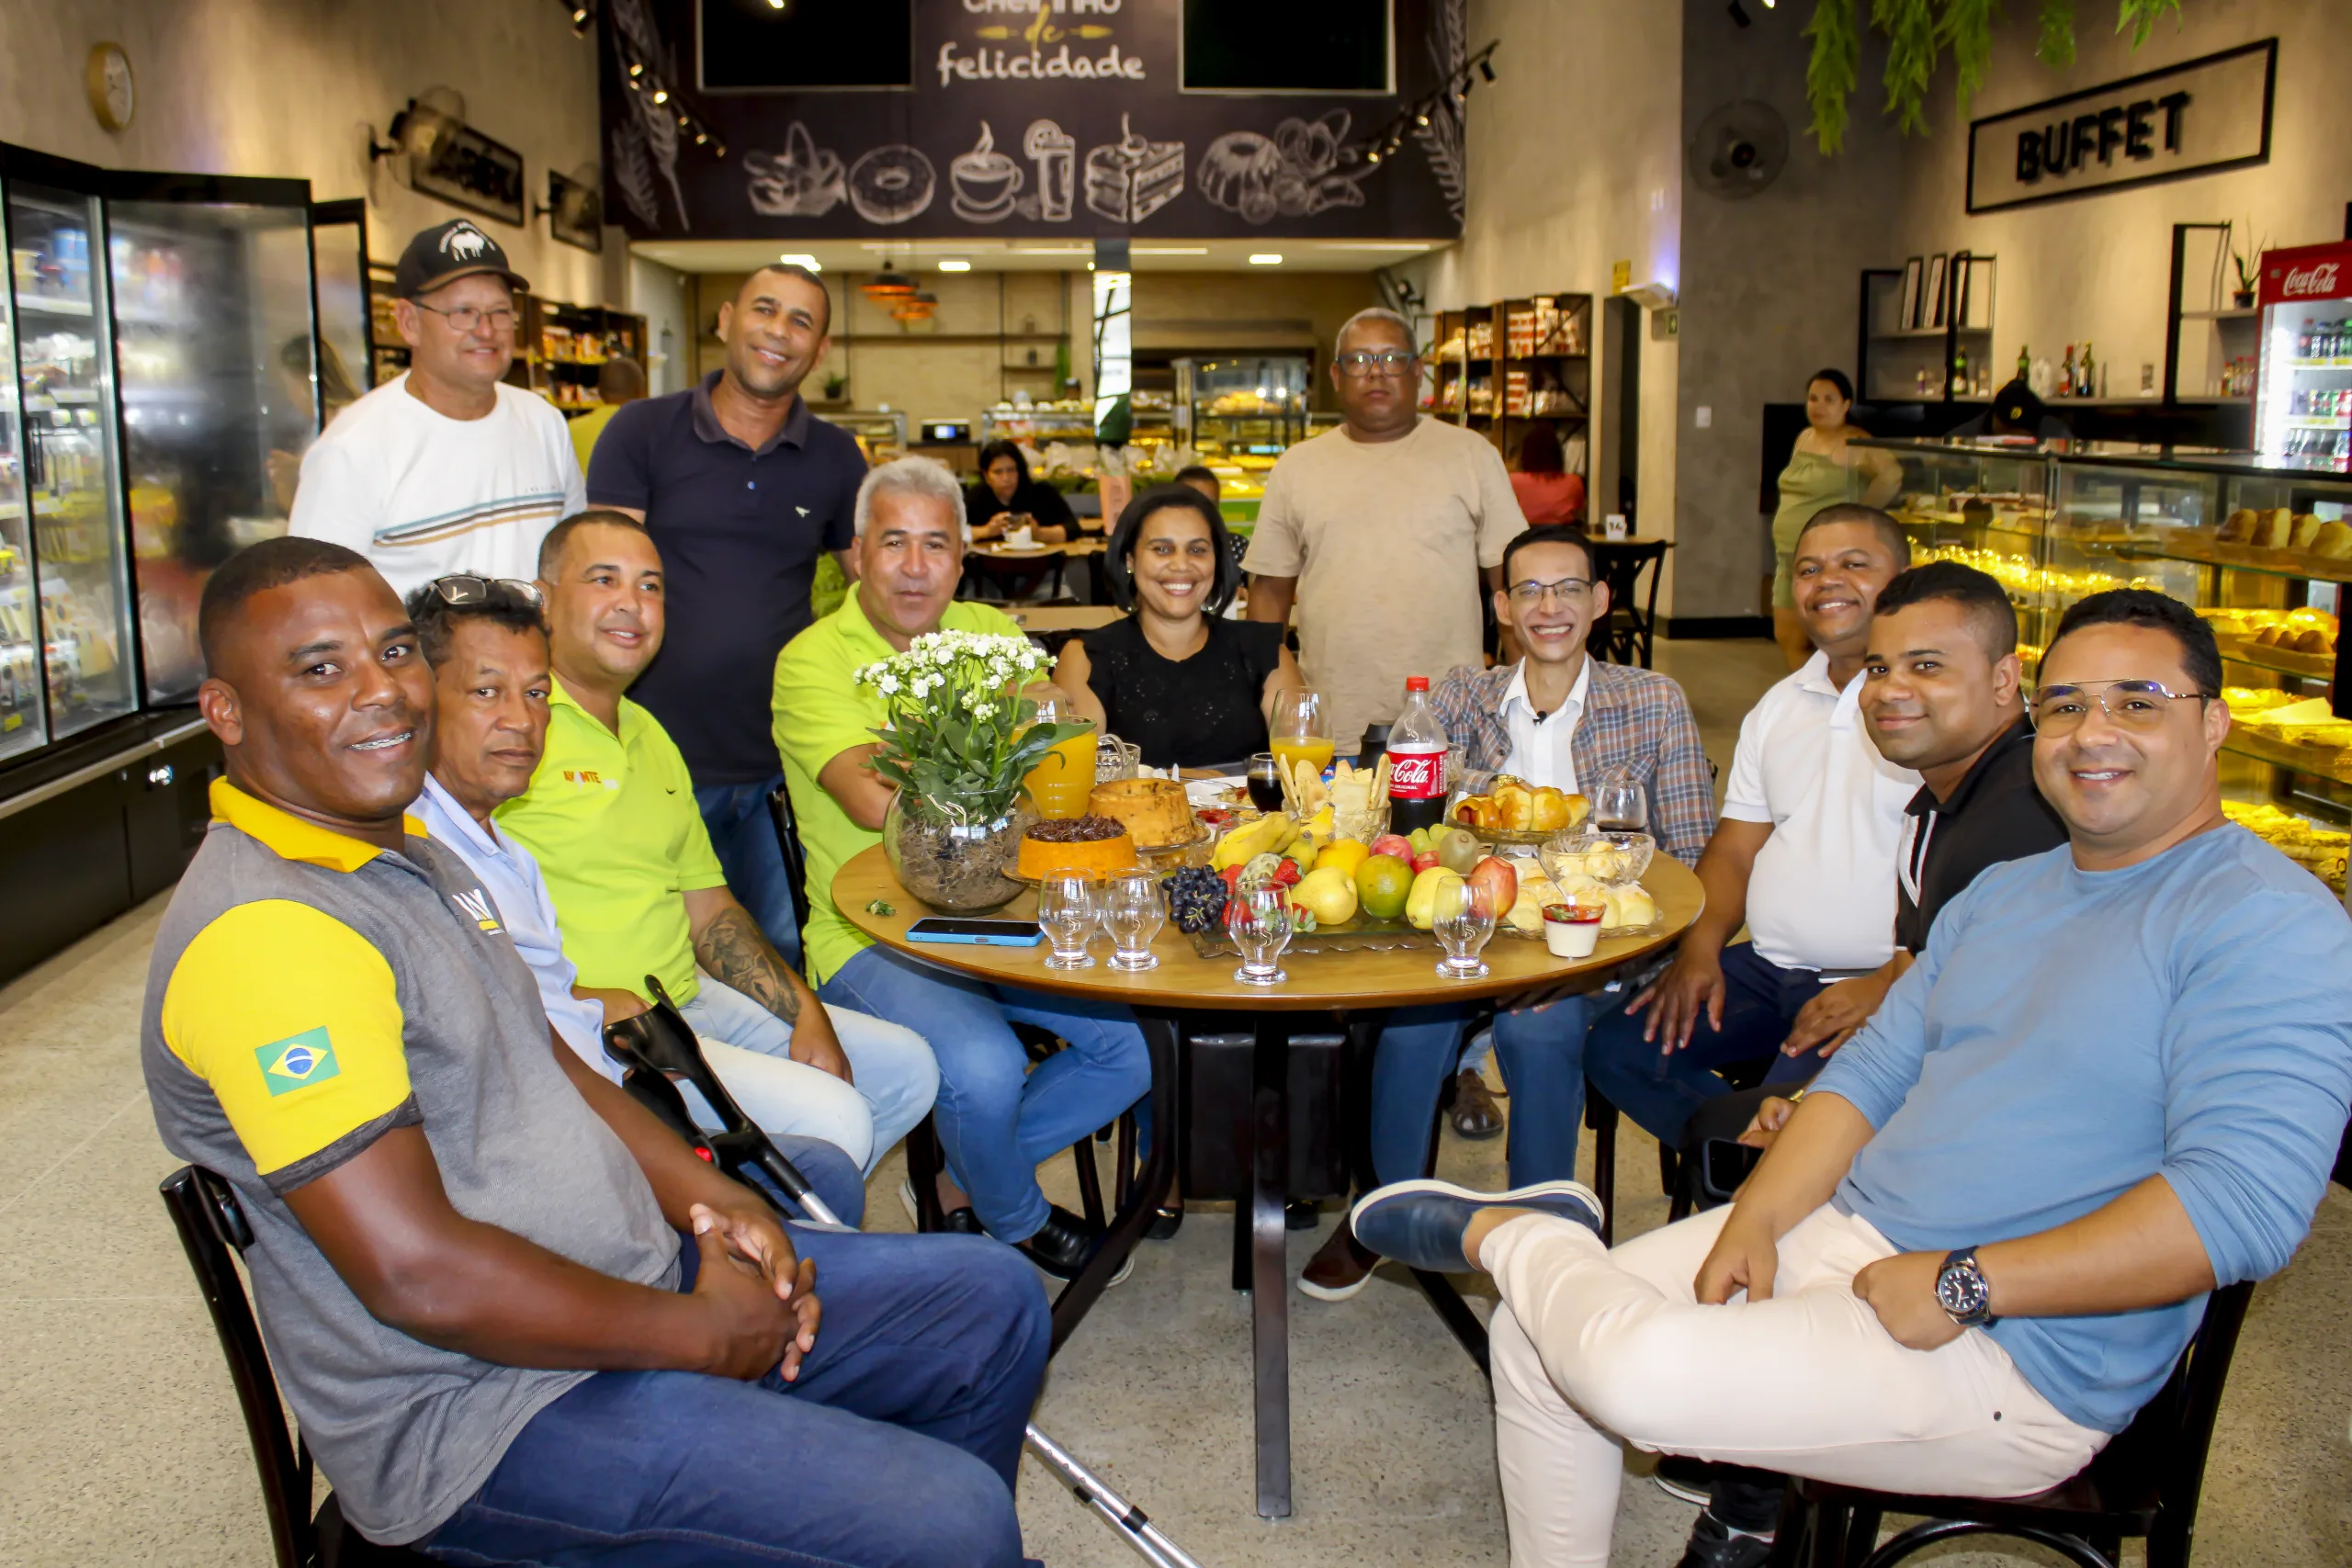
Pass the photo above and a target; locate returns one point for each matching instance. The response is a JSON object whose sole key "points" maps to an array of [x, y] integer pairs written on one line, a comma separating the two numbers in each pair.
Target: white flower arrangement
{"points": [[954, 731]]}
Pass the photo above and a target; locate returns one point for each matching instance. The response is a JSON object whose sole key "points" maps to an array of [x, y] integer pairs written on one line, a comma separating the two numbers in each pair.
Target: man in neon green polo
{"points": [[611, 818], [996, 1121]]}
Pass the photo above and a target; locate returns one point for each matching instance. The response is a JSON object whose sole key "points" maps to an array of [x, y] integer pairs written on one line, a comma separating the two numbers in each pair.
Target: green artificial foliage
{"points": [[1917, 33]]}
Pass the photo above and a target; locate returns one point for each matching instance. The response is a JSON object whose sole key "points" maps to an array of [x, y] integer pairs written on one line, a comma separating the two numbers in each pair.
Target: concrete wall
{"points": [[666, 299], [290, 87]]}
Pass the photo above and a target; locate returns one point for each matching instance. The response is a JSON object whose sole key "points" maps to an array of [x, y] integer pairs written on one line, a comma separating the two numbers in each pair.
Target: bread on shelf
{"points": [[1154, 810], [1091, 846]]}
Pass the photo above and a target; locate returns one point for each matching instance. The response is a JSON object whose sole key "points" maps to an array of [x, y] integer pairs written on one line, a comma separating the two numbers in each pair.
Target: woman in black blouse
{"points": [[1175, 678], [1005, 496]]}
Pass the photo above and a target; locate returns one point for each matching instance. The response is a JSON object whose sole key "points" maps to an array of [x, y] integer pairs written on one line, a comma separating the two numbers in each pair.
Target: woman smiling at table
{"points": [[1006, 497], [1175, 677]]}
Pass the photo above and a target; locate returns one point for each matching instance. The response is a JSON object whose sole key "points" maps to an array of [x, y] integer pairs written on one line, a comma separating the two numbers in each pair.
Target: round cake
{"points": [[1092, 846], [1154, 810]]}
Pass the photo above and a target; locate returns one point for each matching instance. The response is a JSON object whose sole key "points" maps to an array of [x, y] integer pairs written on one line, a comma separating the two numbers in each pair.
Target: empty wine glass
{"points": [[1463, 918], [1133, 913], [1619, 805], [1261, 928], [1066, 910]]}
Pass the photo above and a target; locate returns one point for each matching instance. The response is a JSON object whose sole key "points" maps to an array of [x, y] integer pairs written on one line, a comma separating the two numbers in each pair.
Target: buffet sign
{"points": [[1018, 119], [2192, 118]]}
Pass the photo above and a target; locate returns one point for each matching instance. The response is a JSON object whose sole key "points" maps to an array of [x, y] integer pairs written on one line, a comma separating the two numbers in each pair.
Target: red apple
{"points": [[1498, 876], [1393, 844], [1423, 861]]}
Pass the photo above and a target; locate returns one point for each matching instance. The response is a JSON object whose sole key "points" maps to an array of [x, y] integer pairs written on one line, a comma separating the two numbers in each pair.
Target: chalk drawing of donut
{"points": [[892, 184]]}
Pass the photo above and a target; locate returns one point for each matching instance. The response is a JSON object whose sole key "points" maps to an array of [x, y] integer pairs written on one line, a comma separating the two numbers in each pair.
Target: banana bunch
{"points": [[1269, 835]]}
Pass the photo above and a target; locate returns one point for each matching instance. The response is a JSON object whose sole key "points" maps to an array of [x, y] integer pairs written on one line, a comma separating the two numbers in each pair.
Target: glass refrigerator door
{"points": [[220, 389], [66, 372], [21, 725], [2303, 400]]}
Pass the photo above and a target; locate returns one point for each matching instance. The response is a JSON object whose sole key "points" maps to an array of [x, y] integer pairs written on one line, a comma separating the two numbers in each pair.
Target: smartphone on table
{"points": [[976, 932]]}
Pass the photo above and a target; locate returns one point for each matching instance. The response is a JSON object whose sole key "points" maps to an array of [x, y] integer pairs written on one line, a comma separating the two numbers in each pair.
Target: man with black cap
{"points": [[445, 470]]}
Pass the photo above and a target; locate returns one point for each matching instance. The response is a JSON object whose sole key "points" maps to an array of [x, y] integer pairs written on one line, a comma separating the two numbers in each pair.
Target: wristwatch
{"points": [[1963, 1290]]}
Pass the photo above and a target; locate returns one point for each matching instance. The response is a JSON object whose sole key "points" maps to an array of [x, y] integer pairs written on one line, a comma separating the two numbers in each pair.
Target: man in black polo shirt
{"points": [[1944, 694], [743, 489]]}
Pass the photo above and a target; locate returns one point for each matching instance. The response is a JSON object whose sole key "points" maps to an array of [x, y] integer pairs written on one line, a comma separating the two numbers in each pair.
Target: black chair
{"points": [[214, 1228], [1600, 1120], [1626, 636], [2144, 1483]]}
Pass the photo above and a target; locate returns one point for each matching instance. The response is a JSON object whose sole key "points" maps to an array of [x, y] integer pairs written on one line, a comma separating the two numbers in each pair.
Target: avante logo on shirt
{"points": [[589, 778], [296, 1062], [476, 905]]}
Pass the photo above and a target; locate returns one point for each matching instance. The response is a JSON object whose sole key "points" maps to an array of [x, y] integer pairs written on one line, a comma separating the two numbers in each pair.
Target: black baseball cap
{"points": [[454, 250]]}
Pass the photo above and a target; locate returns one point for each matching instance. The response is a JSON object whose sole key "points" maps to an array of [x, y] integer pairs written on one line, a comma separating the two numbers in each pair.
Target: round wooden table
{"points": [[1358, 987]]}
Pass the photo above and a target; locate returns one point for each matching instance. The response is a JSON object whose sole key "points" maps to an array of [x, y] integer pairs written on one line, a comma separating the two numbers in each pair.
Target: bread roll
{"points": [[2269, 636], [2278, 527], [2312, 641], [2334, 541], [2306, 530], [2240, 525]]}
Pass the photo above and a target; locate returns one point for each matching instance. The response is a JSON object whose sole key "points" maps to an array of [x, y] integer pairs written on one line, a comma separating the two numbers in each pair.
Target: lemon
{"points": [[1343, 854], [1330, 891]]}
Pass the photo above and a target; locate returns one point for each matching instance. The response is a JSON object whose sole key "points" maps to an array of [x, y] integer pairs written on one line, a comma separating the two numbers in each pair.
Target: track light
{"points": [[661, 94], [1372, 156], [637, 68], [1484, 69]]}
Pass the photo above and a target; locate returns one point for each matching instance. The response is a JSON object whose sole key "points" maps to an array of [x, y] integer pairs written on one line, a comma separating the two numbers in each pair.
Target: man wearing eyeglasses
{"points": [[2113, 1083], [445, 470], [1379, 532], [1557, 716]]}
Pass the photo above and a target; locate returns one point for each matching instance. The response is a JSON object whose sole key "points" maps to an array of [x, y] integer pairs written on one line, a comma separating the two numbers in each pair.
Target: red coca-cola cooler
{"points": [[2302, 391]]}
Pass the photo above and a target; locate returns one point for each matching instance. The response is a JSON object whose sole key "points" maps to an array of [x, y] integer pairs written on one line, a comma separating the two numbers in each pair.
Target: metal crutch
{"points": [[658, 1044]]}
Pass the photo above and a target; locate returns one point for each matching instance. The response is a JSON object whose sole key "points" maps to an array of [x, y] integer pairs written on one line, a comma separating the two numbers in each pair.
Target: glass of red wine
{"points": [[1266, 782]]}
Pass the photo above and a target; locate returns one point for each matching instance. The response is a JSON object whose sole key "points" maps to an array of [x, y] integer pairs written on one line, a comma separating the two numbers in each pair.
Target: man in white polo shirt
{"points": [[445, 470], [1805, 855]]}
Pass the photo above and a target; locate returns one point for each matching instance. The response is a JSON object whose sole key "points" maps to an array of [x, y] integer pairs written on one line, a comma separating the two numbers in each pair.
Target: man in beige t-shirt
{"points": [[1380, 531]]}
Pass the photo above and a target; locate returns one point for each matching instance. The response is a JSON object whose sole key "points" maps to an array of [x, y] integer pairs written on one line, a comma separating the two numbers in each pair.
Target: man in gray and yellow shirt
{"points": [[466, 1248]]}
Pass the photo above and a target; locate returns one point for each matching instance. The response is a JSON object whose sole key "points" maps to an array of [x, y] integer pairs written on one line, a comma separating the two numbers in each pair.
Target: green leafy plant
{"points": [[1917, 33], [956, 735], [2247, 259]]}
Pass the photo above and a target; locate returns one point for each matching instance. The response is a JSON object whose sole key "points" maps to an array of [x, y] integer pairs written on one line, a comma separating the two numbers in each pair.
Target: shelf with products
{"points": [[2249, 542], [1500, 367], [1915, 347], [881, 433]]}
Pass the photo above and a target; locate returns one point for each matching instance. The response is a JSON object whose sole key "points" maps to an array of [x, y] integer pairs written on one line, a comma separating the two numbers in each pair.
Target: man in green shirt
{"points": [[611, 818], [996, 1119]]}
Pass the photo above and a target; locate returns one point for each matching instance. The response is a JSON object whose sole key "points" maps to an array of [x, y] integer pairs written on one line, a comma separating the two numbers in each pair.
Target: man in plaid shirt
{"points": [[1555, 718]]}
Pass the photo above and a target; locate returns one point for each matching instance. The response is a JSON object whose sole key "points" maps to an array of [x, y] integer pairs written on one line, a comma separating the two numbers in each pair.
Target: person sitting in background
{"points": [[619, 380], [1820, 473], [610, 817], [1944, 694], [1189, 687], [1548, 493], [2015, 412], [1202, 478], [488, 650], [1804, 856], [997, 1118], [1004, 498], [472, 1252], [1563, 718], [2113, 1083]]}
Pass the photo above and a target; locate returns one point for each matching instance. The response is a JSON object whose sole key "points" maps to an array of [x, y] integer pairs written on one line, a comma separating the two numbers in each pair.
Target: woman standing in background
{"points": [[1820, 474]]}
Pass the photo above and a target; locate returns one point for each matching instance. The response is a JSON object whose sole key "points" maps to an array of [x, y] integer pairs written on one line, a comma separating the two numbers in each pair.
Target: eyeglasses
{"points": [[462, 589], [1389, 362], [466, 318], [1568, 590], [2129, 704]]}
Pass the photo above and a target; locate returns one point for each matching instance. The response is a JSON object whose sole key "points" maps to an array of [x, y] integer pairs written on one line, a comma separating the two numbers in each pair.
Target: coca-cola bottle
{"points": [[1417, 747]]}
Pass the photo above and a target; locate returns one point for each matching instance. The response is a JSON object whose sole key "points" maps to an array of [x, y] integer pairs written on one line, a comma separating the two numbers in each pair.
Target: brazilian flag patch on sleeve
{"points": [[296, 1062]]}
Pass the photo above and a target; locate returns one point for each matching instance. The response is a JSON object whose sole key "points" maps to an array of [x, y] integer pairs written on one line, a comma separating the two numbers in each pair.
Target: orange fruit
{"points": [[1383, 883]]}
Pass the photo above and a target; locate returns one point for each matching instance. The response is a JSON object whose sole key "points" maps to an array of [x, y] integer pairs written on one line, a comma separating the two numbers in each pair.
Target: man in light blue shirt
{"points": [[2115, 1081], [490, 681]]}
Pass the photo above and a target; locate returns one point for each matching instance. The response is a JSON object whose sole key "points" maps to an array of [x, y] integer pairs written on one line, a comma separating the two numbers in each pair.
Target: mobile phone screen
{"points": [[937, 928]]}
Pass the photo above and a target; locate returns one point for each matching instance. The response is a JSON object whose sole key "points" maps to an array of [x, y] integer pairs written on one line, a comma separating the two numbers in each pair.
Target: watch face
{"points": [[1960, 1290]]}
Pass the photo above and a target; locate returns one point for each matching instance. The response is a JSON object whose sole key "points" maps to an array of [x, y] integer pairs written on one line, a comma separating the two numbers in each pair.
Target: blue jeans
{"points": [[750, 1050], [1542, 1052], [1661, 1089], [743, 834], [837, 1183], [997, 1117], [896, 1446]]}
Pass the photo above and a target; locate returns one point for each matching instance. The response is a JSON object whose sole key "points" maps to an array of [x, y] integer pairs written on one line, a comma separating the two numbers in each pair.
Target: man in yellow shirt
{"points": [[619, 380], [610, 817], [995, 1122]]}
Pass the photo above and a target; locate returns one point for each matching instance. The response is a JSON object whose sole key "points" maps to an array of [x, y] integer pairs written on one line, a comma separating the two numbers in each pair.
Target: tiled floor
{"points": [[120, 1443]]}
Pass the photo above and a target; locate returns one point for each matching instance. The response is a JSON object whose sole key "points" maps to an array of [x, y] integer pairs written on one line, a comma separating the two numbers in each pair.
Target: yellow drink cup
{"points": [[1064, 777], [1290, 753]]}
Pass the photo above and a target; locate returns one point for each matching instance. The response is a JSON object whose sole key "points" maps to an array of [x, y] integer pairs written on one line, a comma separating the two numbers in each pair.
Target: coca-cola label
{"points": [[1416, 775], [2310, 282]]}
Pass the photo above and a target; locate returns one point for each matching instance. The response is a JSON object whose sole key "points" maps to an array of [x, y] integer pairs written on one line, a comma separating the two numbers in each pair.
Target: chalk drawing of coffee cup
{"points": [[985, 182]]}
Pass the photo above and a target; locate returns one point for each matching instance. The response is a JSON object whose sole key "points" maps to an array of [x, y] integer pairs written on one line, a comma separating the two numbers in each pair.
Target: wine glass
{"points": [[1066, 910], [1261, 928], [1266, 782], [1133, 913], [1619, 805], [1463, 918], [1301, 731]]}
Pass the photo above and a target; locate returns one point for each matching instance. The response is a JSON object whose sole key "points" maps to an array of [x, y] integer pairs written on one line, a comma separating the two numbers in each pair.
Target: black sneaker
{"points": [[1062, 1245], [1714, 1544]]}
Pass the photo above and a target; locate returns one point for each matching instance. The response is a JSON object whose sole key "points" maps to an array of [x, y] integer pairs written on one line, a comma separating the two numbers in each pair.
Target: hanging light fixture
{"points": [[887, 286], [917, 306]]}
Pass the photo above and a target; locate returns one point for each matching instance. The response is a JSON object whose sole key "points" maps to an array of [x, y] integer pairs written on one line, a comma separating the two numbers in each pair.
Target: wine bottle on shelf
{"points": [[1958, 382], [2067, 374], [2025, 364], [2085, 379]]}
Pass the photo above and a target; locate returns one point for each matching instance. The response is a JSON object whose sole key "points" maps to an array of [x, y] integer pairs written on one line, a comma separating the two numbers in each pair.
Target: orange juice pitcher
{"points": [[1064, 777]]}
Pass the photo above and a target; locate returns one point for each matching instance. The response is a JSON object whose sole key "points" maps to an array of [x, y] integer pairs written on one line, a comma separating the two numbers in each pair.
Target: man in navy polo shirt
{"points": [[743, 489]]}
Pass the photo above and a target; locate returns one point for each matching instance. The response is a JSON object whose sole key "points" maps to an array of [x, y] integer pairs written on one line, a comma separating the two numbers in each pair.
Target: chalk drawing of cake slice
{"points": [[1130, 179]]}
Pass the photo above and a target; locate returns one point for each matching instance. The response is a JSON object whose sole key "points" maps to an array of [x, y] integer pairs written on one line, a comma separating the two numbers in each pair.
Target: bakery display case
{"points": [[881, 433], [2261, 547], [1039, 424], [1249, 406]]}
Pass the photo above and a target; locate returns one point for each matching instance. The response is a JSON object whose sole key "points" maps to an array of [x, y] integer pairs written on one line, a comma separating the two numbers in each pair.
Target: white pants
{"points": [[1593, 1350], [749, 1048]]}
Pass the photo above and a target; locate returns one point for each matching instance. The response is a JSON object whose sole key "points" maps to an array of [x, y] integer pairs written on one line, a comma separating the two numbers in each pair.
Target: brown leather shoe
{"points": [[1339, 1268], [1475, 1114]]}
